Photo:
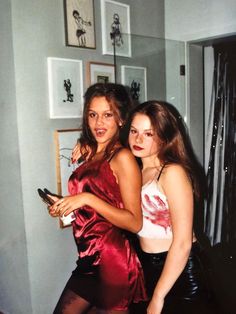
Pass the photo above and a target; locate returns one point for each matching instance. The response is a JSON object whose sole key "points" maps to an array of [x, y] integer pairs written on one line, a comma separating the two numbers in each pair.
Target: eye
{"points": [[91, 114], [132, 131], [149, 134], [108, 115]]}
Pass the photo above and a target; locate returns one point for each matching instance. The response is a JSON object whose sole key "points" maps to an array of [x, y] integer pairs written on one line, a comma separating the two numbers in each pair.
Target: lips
{"points": [[100, 132], [135, 147]]}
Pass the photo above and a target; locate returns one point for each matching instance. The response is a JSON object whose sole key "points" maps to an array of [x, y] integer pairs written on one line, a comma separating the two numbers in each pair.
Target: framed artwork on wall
{"points": [[65, 83], [79, 23], [100, 73], [115, 20], [65, 140], [136, 79]]}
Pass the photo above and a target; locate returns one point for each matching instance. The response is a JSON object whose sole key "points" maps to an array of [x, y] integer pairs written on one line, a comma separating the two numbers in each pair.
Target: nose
{"points": [[139, 138], [99, 119]]}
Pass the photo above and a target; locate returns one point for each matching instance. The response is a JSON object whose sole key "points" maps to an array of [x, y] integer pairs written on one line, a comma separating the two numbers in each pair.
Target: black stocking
{"points": [[71, 303], [112, 312]]}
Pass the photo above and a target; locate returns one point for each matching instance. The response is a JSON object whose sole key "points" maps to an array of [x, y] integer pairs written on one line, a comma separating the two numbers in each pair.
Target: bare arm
{"points": [[178, 190], [128, 176]]}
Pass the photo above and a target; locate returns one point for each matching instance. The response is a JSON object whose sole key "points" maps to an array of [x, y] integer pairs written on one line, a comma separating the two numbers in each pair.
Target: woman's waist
{"points": [[155, 230], [97, 235], [155, 245]]}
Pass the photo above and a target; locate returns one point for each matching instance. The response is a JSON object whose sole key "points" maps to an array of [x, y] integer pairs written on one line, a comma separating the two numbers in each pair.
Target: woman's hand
{"points": [[55, 199], [76, 153], [155, 306], [66, 205]]}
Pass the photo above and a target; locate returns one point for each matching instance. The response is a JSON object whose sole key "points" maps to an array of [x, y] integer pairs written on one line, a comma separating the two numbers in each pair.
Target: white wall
{"points": [[208, 81], [175, 83], [14, 273], [195, 19]]}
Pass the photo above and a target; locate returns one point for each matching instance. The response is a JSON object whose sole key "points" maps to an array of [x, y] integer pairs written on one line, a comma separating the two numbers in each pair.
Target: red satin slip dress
{"points": [[108, 273]]}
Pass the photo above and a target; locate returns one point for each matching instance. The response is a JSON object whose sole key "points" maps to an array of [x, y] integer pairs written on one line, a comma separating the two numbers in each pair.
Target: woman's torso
{"points": [[156, 234], [89, 227]]}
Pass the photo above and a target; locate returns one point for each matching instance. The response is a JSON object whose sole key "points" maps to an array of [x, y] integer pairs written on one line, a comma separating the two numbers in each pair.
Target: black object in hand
{"points": [[45, 197], [50, 193]]}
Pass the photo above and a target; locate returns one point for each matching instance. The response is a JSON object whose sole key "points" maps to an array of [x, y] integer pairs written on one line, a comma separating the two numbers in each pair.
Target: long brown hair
{"points": [[175, 144], [120, 101]]}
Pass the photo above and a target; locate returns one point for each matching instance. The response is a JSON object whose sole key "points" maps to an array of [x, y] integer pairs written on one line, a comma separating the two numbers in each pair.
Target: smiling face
{"points": [[102, 121], [143, 140]]}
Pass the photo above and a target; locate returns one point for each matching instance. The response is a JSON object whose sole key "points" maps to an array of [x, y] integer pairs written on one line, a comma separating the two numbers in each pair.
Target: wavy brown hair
{"points": [[120, 102], [175, 144]]}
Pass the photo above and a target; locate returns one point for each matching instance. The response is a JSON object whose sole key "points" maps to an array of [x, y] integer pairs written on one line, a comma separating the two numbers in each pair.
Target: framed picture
{"points": [[65, 83], [65, 141], [116, 37], [79, 23], [101, 73], [136, 79]]}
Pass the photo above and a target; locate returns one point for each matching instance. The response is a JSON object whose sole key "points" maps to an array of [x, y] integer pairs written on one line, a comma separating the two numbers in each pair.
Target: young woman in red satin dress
{"points": [[105, 198]]}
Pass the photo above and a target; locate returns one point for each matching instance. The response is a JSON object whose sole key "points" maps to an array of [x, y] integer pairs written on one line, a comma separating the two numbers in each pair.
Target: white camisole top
{"points": [[156, 214]]}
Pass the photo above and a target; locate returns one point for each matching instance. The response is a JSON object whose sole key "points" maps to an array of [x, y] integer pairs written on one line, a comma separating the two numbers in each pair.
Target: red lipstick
{"points": [[135, 147]]}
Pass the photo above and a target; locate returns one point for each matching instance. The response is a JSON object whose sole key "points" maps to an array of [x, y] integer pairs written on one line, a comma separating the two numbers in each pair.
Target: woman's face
{"points": [[143, 140], [102, 121]]}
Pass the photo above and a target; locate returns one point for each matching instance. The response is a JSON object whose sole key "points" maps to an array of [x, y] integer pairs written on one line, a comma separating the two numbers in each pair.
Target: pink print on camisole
{"points": [[156, 214]]}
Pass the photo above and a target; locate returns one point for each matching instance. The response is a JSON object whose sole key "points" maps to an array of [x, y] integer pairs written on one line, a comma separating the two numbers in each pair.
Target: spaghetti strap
{"points": [[160, 172], [114, 153]]}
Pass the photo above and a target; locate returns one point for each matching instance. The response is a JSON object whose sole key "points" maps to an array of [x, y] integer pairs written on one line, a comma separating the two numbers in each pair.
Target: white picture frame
{"points": [[65, 141], [65, 84], [101, 73], [135, 77], [115, 20]]}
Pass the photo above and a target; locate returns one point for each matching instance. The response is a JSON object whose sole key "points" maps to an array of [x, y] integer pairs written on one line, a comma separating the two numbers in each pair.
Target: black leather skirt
{"points": [[190, 293]]}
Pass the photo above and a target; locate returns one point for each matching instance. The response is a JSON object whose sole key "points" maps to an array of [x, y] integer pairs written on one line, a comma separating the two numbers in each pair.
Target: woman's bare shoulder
{"points": [[174, 174], [124, 155], [124, 161], [175, 179], [174, 169]]}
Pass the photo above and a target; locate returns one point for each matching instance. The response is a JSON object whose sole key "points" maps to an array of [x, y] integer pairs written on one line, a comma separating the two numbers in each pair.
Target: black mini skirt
{"points": [[190, 293]]}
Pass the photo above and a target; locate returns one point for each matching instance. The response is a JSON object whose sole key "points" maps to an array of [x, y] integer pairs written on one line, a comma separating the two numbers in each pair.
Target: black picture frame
{"points": [[79, 23]]}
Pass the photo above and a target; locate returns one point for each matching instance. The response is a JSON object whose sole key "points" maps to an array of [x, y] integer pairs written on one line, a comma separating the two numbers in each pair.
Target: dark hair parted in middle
{"points": [[120, 103]]}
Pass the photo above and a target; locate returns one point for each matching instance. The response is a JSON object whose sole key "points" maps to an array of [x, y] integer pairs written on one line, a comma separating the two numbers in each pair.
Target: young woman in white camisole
{"points": [[170, 252]]}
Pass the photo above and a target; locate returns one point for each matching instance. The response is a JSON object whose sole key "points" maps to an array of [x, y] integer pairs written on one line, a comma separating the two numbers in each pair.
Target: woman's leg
{"points": [[71, 303], [112, 312]]}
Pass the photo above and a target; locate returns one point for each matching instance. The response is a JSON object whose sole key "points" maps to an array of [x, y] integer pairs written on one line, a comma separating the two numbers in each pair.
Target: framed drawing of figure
{"points": [[65, 84], [115, 28], [136, 78], [79, 23]]}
